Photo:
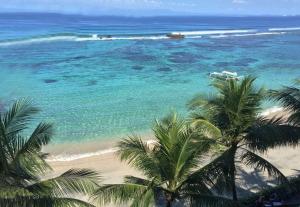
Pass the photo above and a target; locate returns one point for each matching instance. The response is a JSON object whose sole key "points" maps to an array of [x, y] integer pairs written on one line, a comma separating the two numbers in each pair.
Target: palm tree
{"points": [[170, 167], [234, 113], [23, 165], [289, 97]]}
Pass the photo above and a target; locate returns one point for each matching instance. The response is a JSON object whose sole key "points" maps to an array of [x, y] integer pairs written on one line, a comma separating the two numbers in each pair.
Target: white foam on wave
{"points": [[38, 40], [194, 37], [285, 29], [247, 35], [259, 34], [93, 37], [187, 34], [219, 36], [96, 38], [140, 38], [72, 157], [213, 32]]}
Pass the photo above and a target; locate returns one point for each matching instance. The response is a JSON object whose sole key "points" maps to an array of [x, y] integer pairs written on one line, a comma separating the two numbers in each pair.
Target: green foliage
{"points": [[22, 165], [170, 165], [289, 97], [234, 112]]}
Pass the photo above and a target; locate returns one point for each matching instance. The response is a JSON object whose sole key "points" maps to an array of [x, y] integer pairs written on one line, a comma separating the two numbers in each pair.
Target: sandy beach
{"points": [[113, 171], [101, 156], [97, 155]]}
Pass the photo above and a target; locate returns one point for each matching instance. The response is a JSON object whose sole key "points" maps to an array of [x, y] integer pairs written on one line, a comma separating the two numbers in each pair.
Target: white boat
{"points": [[225, 75]]}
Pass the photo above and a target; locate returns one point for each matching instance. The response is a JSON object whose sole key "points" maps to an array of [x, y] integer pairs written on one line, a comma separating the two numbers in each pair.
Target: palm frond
{"points": [[18, 116], [33, 201], [255, 161], [118, 193], [289, 97], [138, 154], [206, 127], [13, 191], [216, 174], [73, 181], [271, 133], [41, 136]]}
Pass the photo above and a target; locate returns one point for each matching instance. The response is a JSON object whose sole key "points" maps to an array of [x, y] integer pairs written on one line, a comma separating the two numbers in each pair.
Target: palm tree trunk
{"points": [[232, 173], [169, 199], [233, 186]]}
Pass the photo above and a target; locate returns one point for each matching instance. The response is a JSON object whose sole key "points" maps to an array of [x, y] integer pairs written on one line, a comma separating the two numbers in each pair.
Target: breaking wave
{"points": [[187, 34], [285, 29]]}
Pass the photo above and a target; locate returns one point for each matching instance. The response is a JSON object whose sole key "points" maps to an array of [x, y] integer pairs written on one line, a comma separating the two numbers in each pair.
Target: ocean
{"points": [[95, 88]]}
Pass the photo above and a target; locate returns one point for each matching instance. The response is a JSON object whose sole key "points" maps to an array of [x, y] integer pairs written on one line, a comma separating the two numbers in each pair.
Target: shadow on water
{"points": [[50, 80]]}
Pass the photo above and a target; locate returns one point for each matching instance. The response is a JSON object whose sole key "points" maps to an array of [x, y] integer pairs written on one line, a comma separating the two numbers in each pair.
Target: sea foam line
{"points": [[247, 35], [285, 29], [187, 34], [212, 32], [78, 39], [72, 157], [38, 40]]}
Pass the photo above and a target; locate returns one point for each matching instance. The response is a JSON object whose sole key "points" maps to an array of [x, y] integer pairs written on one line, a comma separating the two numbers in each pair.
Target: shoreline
{"points": [[112, 170], [70, 151]]}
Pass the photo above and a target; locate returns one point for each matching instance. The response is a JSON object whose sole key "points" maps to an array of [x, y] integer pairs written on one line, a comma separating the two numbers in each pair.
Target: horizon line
{"points": [[149, 16]]}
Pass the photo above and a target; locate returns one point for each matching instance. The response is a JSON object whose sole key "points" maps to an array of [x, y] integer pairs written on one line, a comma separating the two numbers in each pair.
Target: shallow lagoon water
{"points": [[93, 89]]}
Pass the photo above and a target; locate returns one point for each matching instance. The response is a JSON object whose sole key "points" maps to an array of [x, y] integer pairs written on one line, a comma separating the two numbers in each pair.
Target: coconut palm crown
{"points": [[170, 169], [234, 113], [23, 166], [289, 97]]}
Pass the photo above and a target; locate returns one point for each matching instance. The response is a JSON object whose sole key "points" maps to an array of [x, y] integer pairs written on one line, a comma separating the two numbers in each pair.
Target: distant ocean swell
{"points": [[187, 34], [71, 157]]}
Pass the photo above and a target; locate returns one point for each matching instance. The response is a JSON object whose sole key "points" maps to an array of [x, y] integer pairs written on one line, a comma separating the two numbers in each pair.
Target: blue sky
{"points": [[155, 7]]}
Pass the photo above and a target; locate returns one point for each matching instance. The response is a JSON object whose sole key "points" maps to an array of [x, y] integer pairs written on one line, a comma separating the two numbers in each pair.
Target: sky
{"points": [[155, 7]]}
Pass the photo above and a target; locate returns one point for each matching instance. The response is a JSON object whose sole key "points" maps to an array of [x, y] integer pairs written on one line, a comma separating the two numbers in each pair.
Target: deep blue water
{"points": [[93, 88]]}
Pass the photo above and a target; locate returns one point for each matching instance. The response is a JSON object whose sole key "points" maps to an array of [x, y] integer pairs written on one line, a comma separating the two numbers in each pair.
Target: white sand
{"points": [[112, 170]]}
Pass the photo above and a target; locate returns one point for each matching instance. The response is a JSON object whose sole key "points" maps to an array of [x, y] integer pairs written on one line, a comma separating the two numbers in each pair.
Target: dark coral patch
{"points": [[222, 64], [78, 57], [141, 58], [164, 69], [183, 57], [137, 67], [248, 60], [240, 64], [50, 80], [244, 62], [91, 82]]}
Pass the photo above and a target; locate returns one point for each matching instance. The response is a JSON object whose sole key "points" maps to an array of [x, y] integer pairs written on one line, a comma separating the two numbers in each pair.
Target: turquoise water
{"points": [[95, 89]]}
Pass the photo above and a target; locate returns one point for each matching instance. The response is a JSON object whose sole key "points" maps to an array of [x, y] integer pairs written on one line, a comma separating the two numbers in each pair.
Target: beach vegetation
{"points": [[173, 167], [25, 176], [235, 113]]}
